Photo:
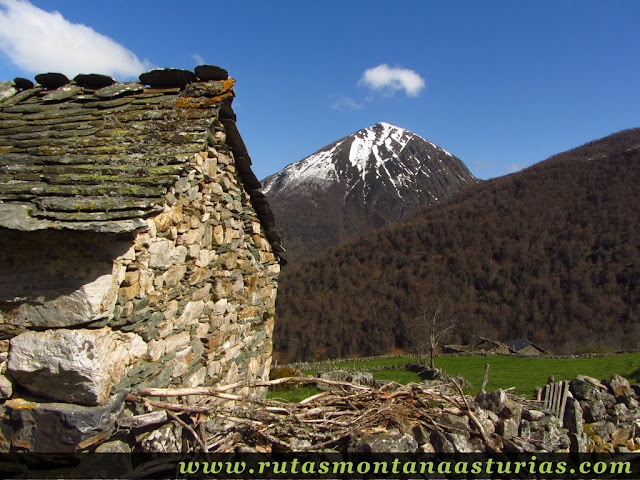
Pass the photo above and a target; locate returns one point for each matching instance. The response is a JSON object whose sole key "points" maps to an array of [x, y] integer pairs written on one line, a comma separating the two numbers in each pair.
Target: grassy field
{"points": [[523, 373]]}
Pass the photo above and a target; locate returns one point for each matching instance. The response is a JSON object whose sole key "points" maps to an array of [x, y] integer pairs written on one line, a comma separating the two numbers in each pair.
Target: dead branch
{"points": [[189, 429], [486, 438], [321, 421], [215, 391]]}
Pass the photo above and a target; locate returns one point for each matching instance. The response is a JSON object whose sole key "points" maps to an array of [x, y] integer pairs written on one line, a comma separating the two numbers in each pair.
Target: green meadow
{"points": [[523, 373]]}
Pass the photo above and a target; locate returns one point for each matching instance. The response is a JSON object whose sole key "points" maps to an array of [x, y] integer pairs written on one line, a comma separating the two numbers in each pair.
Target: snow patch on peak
{"points": [[318, 168], [369, 140]]}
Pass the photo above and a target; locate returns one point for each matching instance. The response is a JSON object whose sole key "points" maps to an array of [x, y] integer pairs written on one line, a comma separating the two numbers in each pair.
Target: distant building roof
{"points": [[522, 343]]}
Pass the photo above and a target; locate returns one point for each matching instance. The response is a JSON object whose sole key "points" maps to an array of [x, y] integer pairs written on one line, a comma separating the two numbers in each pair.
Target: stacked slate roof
{"points": [[99, 155]]}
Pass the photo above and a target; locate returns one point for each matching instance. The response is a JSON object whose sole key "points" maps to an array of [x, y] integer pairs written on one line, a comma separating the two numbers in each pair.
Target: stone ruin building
{"points": [[135, 250]]}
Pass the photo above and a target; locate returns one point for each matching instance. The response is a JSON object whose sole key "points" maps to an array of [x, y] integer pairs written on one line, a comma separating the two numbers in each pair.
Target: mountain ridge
{"points": [[365, 180]]}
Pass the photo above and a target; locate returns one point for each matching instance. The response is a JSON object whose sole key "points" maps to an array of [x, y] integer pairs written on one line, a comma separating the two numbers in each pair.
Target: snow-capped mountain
{"points": [[370, 178]]}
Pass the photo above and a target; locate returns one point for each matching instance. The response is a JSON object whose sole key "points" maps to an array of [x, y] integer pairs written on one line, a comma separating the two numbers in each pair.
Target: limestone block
{"points": [[163, 220], [509, 428], [199, 274], [228, 260], [161, 253], [171, 277], [214, 369], [6, 384], [155, 350], [220, 306], [94, 300], [74, 366], [203, 293], [129, 293], [197, 379], [194, 251], [193, 236], [182, 362], [190, 314], [164, 253], [179, 254], [216, 189], [232, 374], [218, 234], [176, 342]]}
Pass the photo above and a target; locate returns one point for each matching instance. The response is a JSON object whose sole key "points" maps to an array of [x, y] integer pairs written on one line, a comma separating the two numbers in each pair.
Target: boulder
{"points": [[486, 420], [362, 378], [457, 424], [532, 414], [493, 401], [593, 411], [548, 435], [620, 386], [518, 445], [94, 300], [442, 444], [578, 442], [166, 439], [512, 410], [586, 388], [460, 442], [622, 414], [61, 427], [74, 366], [390, 441], [509, 428], [573, 416], [6, 383]]}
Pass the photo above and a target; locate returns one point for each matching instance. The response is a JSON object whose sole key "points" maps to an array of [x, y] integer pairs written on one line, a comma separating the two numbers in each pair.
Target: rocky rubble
{"points": [[429, 418], [345, 417], [599, 417]]}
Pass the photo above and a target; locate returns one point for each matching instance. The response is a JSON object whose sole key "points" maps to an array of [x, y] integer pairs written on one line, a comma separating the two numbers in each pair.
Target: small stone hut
{"points": [[524, 347], [136, 249]]}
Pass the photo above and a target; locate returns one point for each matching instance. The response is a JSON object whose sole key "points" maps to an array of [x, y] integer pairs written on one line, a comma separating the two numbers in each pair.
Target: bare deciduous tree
{"points": [[434, 323]]}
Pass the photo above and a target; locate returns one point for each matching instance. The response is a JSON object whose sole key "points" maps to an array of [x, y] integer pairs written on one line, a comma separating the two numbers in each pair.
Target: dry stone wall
{"points": [[91, 312], [201, 284]]}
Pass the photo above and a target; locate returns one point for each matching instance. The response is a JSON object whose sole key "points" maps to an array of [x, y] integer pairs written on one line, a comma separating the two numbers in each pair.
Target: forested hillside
{"points": [[551, 253]]}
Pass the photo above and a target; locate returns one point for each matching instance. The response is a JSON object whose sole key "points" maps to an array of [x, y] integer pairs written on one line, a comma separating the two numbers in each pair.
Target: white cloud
{"points": [[390, 79], [39, 41], [342, 102], [514, 167]]}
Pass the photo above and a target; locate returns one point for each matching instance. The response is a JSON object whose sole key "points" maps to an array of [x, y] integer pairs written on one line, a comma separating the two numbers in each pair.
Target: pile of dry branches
{"points": [[324, 421]]}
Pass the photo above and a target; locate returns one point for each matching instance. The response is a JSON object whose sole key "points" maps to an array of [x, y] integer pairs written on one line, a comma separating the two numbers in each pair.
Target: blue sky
{"points": [[500, 84]]}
